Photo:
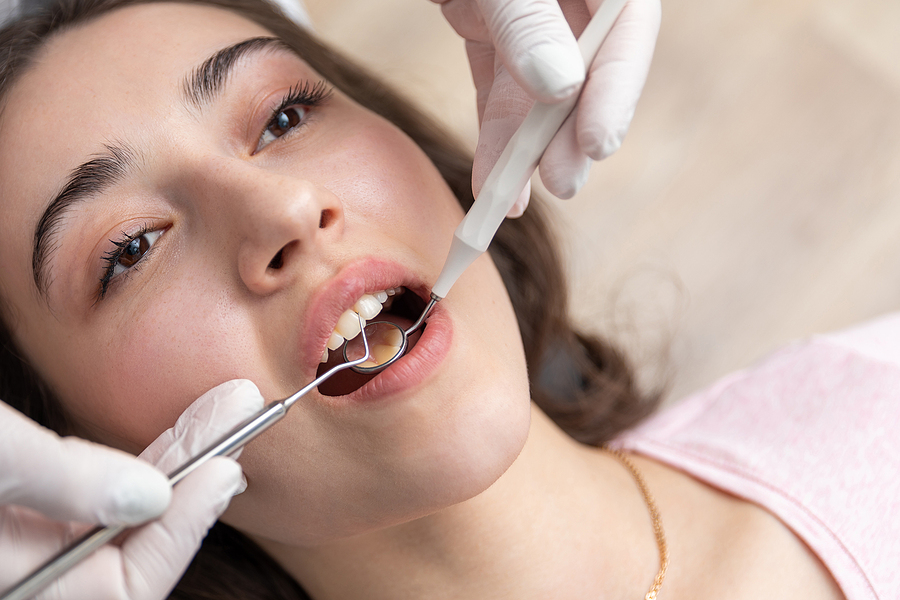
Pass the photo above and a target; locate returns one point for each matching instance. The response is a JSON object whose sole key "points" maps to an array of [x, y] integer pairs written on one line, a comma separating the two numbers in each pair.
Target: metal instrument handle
{"points": [[85, 545], [227, 444]]}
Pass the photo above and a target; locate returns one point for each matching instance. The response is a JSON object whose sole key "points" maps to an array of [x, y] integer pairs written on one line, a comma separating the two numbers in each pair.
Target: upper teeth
{"points": [[348, 326]]}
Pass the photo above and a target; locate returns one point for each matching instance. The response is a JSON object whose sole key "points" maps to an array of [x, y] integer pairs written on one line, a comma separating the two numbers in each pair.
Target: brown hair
{"points": [[580, 381]]}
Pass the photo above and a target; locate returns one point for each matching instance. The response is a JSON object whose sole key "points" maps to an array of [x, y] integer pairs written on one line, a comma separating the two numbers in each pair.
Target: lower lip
{"points": [[410, 371]]}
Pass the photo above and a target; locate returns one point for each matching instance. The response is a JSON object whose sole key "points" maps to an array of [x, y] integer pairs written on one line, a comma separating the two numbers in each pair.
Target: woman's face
{"points": [[191, 233]]}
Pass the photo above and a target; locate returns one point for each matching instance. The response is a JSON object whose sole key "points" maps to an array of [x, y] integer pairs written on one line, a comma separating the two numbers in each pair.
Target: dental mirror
{"points": [[387, 343]]}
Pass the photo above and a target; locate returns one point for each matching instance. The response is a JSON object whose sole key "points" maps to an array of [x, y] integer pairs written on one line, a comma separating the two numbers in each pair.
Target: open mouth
{"points": [[399, 306]]}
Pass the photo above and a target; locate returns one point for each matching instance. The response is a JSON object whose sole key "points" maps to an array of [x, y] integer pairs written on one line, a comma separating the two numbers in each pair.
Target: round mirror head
{"points": [[387, 343]]}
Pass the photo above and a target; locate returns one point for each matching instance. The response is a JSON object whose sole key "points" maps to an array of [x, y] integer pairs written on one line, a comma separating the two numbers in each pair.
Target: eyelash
{"points": [[112, 257], [303, 94]]}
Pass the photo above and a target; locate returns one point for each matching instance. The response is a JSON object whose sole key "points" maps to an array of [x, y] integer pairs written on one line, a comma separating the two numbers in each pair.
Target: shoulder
{"points": [[808, 434], [844, 385], [878, 340], [821, 411]]}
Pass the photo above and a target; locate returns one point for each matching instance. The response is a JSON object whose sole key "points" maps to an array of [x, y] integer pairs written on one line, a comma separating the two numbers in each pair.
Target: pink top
{"points": [[811, 435]]}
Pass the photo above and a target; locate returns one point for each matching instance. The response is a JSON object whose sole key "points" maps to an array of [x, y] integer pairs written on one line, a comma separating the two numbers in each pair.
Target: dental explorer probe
{"points": [[227, 444], [505, 182]]}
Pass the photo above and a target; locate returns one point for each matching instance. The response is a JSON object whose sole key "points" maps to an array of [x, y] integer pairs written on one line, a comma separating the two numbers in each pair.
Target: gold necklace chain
{"points": [[654, 517]]}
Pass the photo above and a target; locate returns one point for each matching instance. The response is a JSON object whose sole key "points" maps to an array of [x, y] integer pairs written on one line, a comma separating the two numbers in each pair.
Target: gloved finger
{"points": [[518, 209], [604, 111], [28, 539], [156, 555], [481, 60], [466, 19], [152, 558], [70, 479], [536, 45], [295, 10], [564, 166], [210, 416], [506, 106], [616, 79]]}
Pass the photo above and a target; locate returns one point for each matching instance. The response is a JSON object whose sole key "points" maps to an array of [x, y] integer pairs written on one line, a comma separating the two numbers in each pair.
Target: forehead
{"points": [[124, 67]]}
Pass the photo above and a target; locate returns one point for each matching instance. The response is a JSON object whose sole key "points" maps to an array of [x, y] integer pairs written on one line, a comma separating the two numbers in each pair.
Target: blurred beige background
{"points": [[756, 199]]}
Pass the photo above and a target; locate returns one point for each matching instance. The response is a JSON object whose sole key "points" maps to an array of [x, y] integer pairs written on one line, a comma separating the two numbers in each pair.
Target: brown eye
{"points": [[283, 122], [134, 251], [131, 253], [127, 254]]}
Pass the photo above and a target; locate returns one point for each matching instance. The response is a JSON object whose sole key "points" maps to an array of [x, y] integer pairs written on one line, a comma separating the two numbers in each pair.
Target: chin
{"points": [[463, 463], [470, 444], [358, 464], [439, 464]]}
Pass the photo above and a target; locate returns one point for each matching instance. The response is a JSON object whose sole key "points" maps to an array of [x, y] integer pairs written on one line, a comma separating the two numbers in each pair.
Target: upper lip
{"points": [[341, 293]]}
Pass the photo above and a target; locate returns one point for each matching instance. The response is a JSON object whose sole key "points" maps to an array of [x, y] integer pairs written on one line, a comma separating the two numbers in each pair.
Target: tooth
{"points": [[324, 358], [368, 307], [381, 296], [393, 337], [335, 341], [382, 353], [348, 325], [391, 291]]}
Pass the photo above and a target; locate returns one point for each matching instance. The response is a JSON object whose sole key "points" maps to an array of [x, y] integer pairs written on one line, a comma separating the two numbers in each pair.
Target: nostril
{"points": [[278, 260], [325, 218]]}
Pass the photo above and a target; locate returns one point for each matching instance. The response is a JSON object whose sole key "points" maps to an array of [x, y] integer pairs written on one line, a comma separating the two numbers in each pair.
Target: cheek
{"points": [[153, 366], [392, 185]]}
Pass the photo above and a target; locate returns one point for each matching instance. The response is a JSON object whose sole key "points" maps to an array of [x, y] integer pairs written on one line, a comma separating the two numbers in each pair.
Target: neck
{"points": [[554, 525]]}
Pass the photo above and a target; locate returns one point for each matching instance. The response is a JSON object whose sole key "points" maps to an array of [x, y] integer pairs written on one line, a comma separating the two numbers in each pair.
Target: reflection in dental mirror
{"points": [[387, 343]]}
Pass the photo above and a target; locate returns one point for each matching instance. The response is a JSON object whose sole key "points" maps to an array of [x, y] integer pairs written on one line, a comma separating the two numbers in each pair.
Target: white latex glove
{"points": [[51, 487], [524, 50], [296, 11]]}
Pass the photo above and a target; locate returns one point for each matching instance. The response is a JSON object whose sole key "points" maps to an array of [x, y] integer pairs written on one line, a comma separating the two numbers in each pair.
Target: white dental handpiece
{"points": [[517, 163]]}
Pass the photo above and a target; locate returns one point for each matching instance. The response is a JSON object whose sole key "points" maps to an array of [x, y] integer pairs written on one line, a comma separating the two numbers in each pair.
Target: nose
{"points": [[278, 223]]}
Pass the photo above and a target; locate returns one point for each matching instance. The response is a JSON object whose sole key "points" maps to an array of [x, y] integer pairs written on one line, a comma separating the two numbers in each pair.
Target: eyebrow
{"points": [[85, 181], [88, 180], [208, 80]]}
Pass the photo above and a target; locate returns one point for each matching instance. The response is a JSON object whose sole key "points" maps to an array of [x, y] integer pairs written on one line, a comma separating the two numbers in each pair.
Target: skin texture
{"points": [[441, 482], [204, 306]]}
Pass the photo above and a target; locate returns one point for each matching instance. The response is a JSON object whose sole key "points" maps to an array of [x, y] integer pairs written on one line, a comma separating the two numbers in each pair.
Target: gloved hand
{"points": [[50, 487], [524, 50]]}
